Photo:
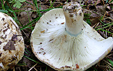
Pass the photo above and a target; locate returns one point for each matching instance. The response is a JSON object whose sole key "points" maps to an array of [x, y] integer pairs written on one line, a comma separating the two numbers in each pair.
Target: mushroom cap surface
{"points": [[55, 47], [11, 43]]}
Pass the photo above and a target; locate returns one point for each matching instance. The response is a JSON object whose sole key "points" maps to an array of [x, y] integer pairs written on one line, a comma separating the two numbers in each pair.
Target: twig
{"points": [[13, 69], [32, 67], [104, 16]]}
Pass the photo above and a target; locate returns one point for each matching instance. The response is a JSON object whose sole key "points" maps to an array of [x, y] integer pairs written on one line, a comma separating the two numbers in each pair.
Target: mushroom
{"points": [[11, 43], [64, 41]]}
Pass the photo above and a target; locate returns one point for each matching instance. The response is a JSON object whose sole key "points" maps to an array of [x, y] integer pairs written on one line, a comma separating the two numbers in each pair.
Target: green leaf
{"points": [[17, 4], [21, 64], [4, 11], [22, 0], [32, 60], [110, 61], [111, 1], [12, 1], [88, 21]]}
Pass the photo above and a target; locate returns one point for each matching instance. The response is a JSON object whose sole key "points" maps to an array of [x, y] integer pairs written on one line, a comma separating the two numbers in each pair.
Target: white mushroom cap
{"points": [[11, 43], [62, 40]]}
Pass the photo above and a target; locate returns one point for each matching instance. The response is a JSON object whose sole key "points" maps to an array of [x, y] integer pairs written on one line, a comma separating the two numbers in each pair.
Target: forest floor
{"points": [[97, 13]]}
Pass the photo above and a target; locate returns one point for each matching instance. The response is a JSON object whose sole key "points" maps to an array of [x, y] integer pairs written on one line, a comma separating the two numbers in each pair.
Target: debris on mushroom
{"points": [[64, 41], [11, 43]]}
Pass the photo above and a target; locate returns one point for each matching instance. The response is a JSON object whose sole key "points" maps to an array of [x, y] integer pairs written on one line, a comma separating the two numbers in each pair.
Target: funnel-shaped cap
{"points": [[56, 41]]}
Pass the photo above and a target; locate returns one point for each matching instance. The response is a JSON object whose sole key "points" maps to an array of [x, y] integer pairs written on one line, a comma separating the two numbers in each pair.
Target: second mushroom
{"points": [[64, 41]]}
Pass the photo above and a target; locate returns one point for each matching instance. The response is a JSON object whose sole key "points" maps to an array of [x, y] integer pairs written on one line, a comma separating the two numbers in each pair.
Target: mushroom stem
{"points": [[74, 18]]}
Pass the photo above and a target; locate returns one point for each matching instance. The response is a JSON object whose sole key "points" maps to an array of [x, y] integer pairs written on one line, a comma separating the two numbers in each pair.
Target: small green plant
{"points": [[88, 21], [110, 61], [87, 18], [17, 3], [111, 1]]}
